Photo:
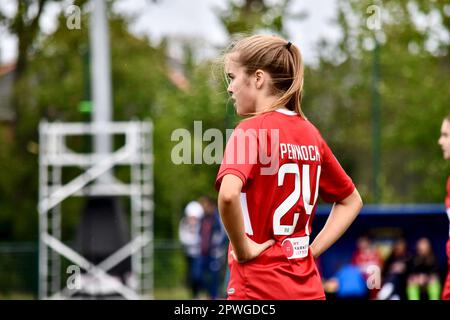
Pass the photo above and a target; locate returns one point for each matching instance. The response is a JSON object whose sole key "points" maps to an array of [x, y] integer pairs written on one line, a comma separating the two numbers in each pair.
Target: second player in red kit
{"points": [[444, 142], [276, 164]]}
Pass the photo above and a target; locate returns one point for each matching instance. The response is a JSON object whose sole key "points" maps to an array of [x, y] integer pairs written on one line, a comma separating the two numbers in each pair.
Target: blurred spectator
{"points": [[424, 278], [189, 234], [213, 245], [347, 284], [395, 272], [366, 257]]}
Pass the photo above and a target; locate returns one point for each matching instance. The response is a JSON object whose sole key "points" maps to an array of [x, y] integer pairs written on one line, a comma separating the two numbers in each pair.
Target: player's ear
{"points": [[260, 78]]}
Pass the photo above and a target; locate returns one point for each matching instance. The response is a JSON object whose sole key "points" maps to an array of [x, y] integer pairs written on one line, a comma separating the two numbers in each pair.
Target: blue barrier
{"points": [[384, 223], [389, 209]]}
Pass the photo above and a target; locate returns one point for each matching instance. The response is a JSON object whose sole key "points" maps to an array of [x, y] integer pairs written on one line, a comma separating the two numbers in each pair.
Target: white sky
{"points": [[194, 19]]}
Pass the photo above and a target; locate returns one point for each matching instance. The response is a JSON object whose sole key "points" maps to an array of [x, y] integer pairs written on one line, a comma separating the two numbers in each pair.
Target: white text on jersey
{"points": [[297, 152]]}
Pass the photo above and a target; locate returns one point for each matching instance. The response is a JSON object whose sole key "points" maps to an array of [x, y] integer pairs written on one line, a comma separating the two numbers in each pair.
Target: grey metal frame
{"points": [[54, 156]]}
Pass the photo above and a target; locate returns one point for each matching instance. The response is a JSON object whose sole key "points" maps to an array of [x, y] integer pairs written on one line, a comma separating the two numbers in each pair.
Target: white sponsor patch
{"points": [[296, 247]]}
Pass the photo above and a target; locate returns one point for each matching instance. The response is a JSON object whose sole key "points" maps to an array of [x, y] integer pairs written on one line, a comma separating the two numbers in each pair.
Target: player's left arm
{"points": [[244, 248], [342, 215]]}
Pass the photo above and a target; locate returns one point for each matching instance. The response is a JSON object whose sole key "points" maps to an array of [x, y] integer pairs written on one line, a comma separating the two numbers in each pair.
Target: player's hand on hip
{"points": [[253, 250]]}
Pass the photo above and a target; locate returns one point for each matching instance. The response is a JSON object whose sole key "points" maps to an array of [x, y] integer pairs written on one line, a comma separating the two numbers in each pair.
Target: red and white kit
{"points": [[446, 291], [284, 164]]}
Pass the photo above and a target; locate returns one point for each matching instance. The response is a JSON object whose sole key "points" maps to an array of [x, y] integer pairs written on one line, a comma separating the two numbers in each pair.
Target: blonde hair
{"points": [[281, 59]]}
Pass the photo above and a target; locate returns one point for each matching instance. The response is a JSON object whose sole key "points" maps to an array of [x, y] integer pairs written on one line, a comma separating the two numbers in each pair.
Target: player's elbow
{"points": [[353, 202], [227, 197], [230, 190], [358, 201]]}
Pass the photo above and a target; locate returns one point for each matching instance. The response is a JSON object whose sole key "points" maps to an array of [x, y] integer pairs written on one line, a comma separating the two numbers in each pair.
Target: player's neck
{"points": [[265, 102]]}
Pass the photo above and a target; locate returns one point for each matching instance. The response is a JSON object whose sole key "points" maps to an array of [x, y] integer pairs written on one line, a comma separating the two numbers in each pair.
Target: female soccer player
{"points": [[275, 165], [444, 142]]}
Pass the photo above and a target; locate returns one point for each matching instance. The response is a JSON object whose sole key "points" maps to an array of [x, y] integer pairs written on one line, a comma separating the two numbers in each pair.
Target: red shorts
{"points": [[272, 276]]}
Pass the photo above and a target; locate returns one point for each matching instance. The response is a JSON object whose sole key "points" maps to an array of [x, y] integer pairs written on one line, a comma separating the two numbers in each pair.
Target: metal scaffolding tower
{"points": [[54, 156]]}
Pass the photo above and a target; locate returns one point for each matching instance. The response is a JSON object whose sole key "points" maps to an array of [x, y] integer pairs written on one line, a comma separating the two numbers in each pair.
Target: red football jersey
{"points": [[447, 198], [447, 202], [284, 164], [446, 287]]}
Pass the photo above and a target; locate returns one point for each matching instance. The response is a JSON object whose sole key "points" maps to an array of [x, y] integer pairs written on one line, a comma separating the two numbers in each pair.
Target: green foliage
{"points": [[253, 15], [414, 99], [414, 77], [55, 83], [179, 184]]}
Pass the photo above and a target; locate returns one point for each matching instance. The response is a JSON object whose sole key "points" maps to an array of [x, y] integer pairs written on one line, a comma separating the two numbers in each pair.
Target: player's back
{"points": [[282, 191], [281, 178]]}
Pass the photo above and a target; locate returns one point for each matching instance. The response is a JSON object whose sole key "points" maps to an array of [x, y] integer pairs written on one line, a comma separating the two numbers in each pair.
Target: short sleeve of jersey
{"points": [[335, 184], [240, 156]]}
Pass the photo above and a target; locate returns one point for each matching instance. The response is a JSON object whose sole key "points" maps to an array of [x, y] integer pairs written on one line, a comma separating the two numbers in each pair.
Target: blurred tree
{"points": [[414, 68], [24, 24], [249, 15], [21, 147], [146, 85]]}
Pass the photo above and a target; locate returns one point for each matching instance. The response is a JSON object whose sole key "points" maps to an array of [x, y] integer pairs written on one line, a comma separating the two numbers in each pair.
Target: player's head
{"points": [[193, 210], [423, 247], [267, 62], [363, 243], [400, 247], [444, 139]]}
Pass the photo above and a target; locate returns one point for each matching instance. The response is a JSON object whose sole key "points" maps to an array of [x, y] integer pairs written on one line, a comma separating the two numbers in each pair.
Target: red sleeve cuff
{"points": [[235, 172]]}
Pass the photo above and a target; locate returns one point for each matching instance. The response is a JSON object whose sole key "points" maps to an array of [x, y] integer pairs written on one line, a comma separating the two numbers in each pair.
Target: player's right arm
{"points": [[342, 215], [335, 187], [244, 249]]}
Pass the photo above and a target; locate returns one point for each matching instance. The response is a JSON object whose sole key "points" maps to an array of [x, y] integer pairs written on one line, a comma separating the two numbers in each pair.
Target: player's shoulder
{"points": [[275, 119], [269, 119], [254, 122], [313, 128]]}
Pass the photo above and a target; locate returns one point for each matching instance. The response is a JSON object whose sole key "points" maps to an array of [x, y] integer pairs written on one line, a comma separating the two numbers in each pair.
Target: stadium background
{"points": [[378, 93]]}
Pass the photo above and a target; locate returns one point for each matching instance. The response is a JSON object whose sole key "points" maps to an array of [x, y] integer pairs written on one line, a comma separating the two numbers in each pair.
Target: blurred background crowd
{"points": [[376, 84]]}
